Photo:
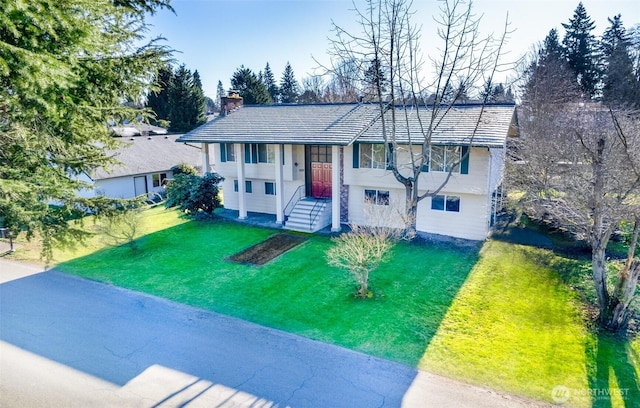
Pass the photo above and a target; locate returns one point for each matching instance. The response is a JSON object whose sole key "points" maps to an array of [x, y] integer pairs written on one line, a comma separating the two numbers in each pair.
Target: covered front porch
{"points": [[307, 201]]}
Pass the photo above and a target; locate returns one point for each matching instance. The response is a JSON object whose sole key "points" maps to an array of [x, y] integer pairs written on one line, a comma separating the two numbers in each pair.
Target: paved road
{"points": [[66, 341]]}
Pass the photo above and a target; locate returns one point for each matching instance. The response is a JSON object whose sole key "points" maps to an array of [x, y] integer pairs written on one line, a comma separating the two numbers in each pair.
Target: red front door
{"points": [[321, 180]]}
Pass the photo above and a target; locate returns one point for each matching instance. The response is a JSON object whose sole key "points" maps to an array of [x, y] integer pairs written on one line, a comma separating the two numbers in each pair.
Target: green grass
{"points": [[296, 292], [512, 317]]}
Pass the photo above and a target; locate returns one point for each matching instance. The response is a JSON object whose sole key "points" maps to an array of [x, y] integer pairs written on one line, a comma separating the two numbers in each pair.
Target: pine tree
{"points": [[289, 88], [186, 101], [549, 77], [158, 99], [374, 77], [65, 68], [580, 50], [248, 85], [613, 35], [269, 81], [219, 94]]}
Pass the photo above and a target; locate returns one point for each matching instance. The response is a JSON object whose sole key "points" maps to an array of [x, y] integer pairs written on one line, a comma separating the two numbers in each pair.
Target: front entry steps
{"points": [[309, 215]]}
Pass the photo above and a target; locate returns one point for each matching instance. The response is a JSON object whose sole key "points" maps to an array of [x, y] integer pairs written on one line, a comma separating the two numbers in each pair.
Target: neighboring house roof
{"points": [[342, 124], [148, 154], [138, 128]]}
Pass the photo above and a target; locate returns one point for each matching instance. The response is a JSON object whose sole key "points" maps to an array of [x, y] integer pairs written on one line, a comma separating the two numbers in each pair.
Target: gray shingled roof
{"points": [[148, 154], [342, 124], [289, 124], [453, 128]]}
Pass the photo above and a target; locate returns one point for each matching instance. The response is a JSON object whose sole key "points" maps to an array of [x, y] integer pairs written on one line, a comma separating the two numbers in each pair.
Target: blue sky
{"points": [[218, 36]]}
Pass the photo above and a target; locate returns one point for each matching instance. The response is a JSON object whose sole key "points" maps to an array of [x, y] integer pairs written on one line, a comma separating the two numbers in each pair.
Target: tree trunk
{"points": [[625, 287], [599, 269], [619, 310], [412, 210]]}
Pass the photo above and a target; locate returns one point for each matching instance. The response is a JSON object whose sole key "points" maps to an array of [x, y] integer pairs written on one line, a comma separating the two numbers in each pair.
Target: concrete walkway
{"points": [[66, 341]]}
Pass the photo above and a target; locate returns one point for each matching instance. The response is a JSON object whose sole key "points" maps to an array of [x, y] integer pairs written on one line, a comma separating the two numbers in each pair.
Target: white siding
{"points": [[119, 187], [473, 189], [124, 187], [357, 214], [496, 171], [257, 200], [472, 222], [475, 182]]}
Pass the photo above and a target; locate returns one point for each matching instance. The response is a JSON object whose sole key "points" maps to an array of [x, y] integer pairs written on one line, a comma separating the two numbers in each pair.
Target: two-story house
{"points": [[316, 165]]}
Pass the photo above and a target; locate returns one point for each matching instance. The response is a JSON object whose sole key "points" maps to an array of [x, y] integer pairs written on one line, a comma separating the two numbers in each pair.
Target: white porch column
{"points": [[279, 186], [242, 208], [206, 169], [335, 189]]}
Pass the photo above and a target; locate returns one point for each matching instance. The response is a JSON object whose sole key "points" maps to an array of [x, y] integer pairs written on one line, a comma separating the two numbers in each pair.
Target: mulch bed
{"points": [[267, 250]]}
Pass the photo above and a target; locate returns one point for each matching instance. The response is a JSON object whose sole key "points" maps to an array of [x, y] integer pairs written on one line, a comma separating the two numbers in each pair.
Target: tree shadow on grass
{"points": [[611, 371]]}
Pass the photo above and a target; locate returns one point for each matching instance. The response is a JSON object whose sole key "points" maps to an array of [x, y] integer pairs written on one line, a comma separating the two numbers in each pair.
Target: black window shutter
{"points": [[464, 165], [247, 153], [356, 155], [389, 151]]}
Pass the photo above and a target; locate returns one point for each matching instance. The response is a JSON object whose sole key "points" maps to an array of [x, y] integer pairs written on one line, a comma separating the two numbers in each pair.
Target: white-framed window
{"points": [[373, 156], [259, 153], [445, 203], [269, 188], [266, 153], [227, 152], [444, 158], [158, 179], [378, 197]]}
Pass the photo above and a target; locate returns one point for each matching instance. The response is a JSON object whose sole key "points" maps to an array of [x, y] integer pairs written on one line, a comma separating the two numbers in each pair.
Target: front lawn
{"points": [[507, 317], [296, 292]]}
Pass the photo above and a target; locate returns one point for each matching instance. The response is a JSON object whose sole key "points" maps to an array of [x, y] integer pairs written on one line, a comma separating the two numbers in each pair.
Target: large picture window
{"points": [[445, 203], [445, 158], [259, 153], [378, 197], [373, 156]]}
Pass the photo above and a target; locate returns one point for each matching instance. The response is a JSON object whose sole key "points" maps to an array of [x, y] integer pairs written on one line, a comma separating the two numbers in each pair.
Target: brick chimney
{"points": [[230, 103]]}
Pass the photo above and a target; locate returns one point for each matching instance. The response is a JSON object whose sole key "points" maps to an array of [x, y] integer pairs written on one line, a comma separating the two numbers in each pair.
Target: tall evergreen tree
{"points": [[65, 68], [374, 77], [186, 101], [580, 50], [248, 85], [219, 94], [613, 35], [158, 99], [549, 77], [621, 87], [289, 88], [269, 81]]}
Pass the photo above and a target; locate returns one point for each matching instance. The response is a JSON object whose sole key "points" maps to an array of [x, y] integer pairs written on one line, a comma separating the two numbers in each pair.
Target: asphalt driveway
{"points": [[66, 341]]}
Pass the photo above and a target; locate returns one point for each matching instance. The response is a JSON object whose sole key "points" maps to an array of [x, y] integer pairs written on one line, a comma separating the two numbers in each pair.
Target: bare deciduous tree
{"points": [[361, 250], [391, 41], [579, 169]]}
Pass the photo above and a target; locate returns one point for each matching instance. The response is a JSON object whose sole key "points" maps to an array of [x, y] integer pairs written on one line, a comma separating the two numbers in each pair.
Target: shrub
{"points": [[195, 194], [183, 168]]}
